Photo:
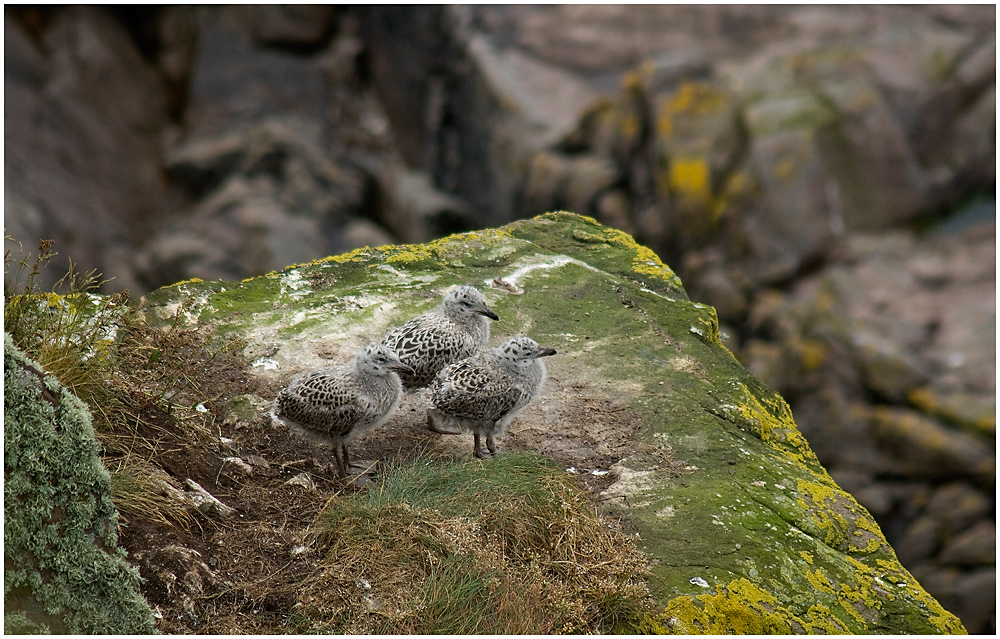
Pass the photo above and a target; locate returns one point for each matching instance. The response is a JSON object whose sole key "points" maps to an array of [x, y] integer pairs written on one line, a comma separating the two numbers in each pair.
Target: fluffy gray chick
{"points": [[485, 392], [335, 405], [454, 330]]}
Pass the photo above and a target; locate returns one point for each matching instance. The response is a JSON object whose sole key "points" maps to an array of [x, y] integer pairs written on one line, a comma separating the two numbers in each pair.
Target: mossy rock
{"points": [[63, 572], [746, 530]]}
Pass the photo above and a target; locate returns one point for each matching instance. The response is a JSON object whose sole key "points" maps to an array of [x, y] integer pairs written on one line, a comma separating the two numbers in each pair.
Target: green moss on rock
{"points": [[751, 535], [62, 570]]}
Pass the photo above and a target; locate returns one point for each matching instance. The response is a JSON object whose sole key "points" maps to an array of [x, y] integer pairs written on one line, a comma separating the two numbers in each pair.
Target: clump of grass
{"points": [[135, 494], [510, 545], [105, 354], [69, 330]]}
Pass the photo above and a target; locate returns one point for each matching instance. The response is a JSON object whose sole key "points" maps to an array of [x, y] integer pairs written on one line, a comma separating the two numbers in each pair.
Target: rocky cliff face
{"points": [[227, 141]]}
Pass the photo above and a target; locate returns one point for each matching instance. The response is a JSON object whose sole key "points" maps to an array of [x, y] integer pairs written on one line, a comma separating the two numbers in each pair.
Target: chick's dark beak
{"points": [[544, 352], [487, 311], [401, 368]]}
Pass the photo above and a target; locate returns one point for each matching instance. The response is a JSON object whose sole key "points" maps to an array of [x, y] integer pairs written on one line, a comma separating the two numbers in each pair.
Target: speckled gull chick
{"points": [[454, 330], [336, 405], [485, 392]]}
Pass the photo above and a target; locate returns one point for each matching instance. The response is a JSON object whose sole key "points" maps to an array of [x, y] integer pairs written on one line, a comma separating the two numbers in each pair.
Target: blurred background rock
{"points": [[823, 176]]}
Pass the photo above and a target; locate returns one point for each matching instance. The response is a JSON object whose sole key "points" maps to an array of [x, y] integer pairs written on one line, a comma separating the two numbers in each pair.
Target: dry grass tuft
{"points": [[510, 545], [135, 493], [100, 350]]}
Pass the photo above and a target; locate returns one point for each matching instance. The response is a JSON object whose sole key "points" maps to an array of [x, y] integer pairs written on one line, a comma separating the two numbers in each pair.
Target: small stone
{"points": [[302, 479], [243, 408], [205, 501], [241, 466]]}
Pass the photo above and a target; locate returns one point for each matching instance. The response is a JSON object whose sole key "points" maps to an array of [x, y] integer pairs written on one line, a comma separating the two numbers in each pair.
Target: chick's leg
{"points": [[491, 445]]}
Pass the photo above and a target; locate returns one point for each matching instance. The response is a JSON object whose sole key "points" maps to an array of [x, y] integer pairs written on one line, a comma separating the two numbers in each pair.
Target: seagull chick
{"points": [[455, 329], [485, 392], [335, 405]]}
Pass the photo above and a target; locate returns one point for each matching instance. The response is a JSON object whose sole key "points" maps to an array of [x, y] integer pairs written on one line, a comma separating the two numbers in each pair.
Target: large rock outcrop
{"points": [[746, 529]]}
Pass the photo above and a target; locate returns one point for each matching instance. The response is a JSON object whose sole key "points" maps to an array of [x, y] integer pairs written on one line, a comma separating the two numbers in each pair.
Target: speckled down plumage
{"points": [[485, 392], [455, 329], [335, 405]]}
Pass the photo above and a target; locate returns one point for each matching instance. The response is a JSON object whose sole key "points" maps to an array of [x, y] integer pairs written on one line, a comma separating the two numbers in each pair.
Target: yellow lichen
{"points": [[691, 99], [877, 540], [853, 598], [568, 216], [410, 254], [955, 409], [819, 581], [821, 619], [821, 504], [847, 525], [807, 556], [813, 354], [784, 168], [862, 597], [193, 280], [712, 324], [689, 177], [357, 255], [895, 573], [775, 424], [739, 607], [631, 80], [646, 262], [630, 124], [742, 607]]}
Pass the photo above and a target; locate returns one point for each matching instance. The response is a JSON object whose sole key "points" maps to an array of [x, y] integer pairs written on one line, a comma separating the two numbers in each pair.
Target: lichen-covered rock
{"points": [[63, 572], [746, 530]]}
